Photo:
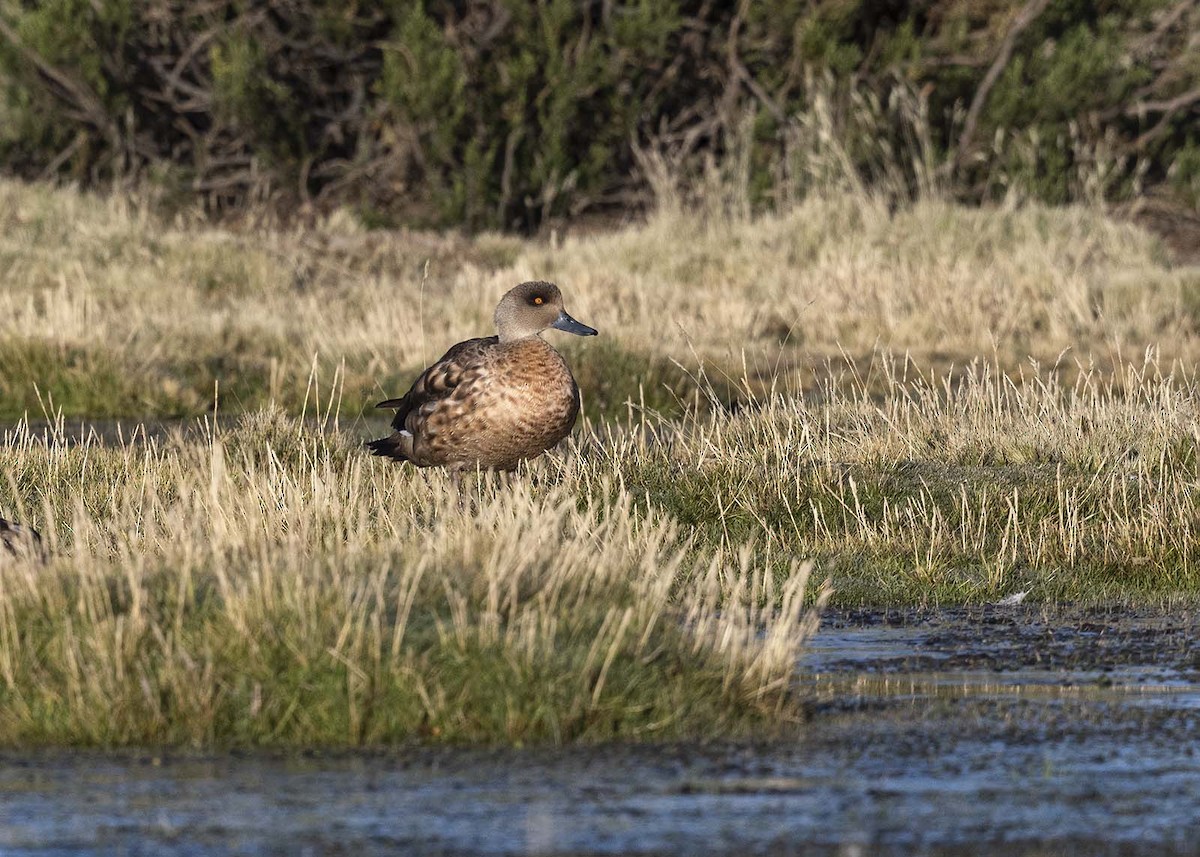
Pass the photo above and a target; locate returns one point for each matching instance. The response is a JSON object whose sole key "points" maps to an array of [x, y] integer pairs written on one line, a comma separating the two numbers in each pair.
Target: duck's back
{"points": [[441, 378]]}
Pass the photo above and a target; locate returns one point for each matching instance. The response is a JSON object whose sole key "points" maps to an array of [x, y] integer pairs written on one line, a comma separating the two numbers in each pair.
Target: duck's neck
{"points": [[509, 334]]}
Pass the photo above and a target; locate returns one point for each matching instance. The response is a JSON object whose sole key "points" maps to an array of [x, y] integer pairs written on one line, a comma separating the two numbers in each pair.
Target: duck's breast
{"points": [[522, 401]]}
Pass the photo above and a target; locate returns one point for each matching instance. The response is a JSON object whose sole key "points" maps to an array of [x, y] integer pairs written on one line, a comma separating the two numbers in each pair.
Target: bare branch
{"points": [[1169, 109], [76, 92], [1027, 16]]}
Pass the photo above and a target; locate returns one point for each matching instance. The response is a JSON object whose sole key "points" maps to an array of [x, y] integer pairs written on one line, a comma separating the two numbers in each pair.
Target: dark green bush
{"points": [[536, 112], [509, 113]]}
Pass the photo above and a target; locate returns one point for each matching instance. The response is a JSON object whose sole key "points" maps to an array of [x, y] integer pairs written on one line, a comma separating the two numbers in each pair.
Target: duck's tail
{"points": [[20, 541], [397, 445]]}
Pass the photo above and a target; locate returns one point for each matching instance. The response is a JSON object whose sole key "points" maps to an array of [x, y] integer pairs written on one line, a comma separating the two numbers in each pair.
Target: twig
{"points": [[1168, 21], [738, 71], [1026, 17], [65, 155], [83, 98], [1169, 105], [1169, 108]]}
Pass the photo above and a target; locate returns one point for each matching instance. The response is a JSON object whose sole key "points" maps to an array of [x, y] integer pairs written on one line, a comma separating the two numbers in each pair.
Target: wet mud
{"points": [[998, 731]]}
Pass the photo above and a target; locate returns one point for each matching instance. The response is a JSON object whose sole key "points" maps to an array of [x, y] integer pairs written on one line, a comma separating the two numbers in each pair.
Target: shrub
{"points": [[508, 114]]}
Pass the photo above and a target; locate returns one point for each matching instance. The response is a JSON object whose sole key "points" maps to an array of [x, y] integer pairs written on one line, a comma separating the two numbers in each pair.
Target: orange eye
{"points": [[539, 300]]}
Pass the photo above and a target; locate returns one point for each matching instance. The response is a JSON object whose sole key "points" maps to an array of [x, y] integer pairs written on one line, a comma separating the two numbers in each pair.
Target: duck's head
{"points": [[530, 308]]}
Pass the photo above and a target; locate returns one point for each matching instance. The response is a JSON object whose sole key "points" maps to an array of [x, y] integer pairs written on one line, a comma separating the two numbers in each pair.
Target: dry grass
{"points": [[270, 585], [265, 582], [967, 487], [116, 315]]}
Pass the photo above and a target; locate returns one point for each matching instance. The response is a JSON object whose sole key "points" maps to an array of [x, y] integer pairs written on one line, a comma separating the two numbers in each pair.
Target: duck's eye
{"points": [[538, 300]]}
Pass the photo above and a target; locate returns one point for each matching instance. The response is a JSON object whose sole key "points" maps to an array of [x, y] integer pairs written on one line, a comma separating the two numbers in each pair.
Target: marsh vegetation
{"points": [[924, 405]]}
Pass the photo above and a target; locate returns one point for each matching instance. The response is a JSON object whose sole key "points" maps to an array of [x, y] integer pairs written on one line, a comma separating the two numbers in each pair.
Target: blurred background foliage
{"points": [[513, 114]]}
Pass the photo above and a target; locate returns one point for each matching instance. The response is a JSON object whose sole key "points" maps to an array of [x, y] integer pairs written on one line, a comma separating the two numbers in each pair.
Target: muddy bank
{"points": [[956, 732]]}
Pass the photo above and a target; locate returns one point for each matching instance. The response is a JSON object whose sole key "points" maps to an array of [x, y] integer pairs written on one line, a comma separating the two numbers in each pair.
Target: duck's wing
{"points": [[440, 379], [434, 384]]}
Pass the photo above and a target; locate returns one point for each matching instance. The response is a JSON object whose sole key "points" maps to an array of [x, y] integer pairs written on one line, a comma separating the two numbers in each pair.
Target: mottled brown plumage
{"points": [[495, 401], [20, 542]]}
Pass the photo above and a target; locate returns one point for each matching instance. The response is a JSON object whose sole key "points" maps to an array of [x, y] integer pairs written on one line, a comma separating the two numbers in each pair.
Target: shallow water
{"points": [[952, 732]]}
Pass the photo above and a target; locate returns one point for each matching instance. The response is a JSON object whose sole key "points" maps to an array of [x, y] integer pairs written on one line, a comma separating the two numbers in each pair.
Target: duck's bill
{"points": [[570, 325]]}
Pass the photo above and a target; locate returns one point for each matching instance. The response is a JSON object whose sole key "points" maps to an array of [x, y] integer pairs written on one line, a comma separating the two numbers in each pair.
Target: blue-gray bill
{"points": [[570, 325]]}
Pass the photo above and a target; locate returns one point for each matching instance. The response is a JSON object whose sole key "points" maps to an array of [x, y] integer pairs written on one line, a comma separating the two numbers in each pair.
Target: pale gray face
{"points": [[530, 308]]}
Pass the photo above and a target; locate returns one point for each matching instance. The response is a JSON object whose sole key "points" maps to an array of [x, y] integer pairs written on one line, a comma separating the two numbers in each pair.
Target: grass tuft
{"points": [[207, 590], [924, 406]]}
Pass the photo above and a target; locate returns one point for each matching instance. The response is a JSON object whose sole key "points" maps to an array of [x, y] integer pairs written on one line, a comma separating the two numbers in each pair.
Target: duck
{"points": [[492, 402], [20, 542]]}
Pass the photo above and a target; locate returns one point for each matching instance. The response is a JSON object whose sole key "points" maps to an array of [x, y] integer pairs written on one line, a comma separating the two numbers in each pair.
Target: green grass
{"points": [[946, 498], [239, 374], [271, 585], [268, 584], [253, 578]]}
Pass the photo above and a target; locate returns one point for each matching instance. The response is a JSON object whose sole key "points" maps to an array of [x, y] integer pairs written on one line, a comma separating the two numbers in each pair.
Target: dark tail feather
{"points": [[392, 446], [21, 541]]}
